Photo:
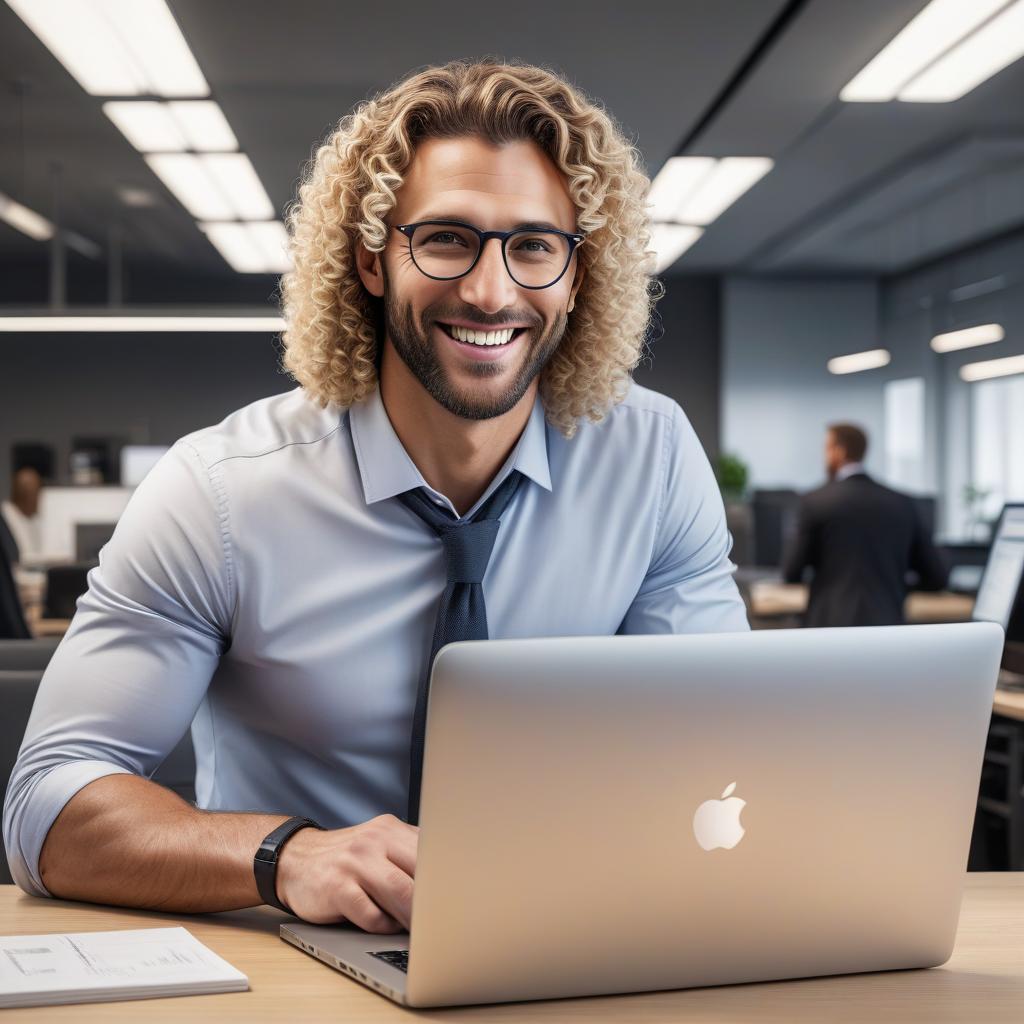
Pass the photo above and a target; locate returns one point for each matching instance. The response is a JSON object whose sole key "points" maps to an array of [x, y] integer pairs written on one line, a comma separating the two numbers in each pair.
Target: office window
{"points": [[904, 434], [997, 442]]}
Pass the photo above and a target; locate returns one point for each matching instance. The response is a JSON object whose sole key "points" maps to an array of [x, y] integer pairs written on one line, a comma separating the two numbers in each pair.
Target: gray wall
{"points": [[777, 395], [144, 388], [685, 362]]}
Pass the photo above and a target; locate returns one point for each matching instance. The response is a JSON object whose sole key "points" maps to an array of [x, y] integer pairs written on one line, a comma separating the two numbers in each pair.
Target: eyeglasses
{"points": [[448, 249]]}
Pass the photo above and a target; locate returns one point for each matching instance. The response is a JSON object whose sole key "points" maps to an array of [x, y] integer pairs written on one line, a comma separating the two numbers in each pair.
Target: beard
{"points": [[416, 349]]}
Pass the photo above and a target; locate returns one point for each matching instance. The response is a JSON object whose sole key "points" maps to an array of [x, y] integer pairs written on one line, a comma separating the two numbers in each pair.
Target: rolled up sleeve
{"points": [[126, 680], [689, 586]]}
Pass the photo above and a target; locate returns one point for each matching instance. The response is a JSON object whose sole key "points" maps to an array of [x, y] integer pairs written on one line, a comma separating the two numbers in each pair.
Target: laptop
{"points": [[636, 813]]}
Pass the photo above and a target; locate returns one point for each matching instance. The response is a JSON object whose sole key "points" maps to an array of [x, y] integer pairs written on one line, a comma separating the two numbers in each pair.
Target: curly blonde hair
{"points": [[348, 188]]}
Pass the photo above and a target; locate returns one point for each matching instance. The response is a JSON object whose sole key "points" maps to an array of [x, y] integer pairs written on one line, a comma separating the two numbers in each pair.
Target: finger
{"points": [[401, 850], [364, 912], [391, 889]]}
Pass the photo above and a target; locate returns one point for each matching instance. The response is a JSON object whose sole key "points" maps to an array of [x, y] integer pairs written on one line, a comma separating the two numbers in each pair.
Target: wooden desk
{"points": [[983, 983], [771, 599]]}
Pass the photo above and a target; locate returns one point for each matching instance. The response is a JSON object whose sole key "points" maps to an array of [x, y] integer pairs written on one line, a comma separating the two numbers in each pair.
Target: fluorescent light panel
{"points": [[251, 248], [153, 127], [670, 241], [858, 361], [992, 368], [141, 324], [271, 238], [213, 186], [941, 25], [969, 337], [116, 47], [239, 249], [674, 183], [204, 125], [237, 179], [27, 221], [147, 125], [992, 48], [728, 180], [190, 183]]}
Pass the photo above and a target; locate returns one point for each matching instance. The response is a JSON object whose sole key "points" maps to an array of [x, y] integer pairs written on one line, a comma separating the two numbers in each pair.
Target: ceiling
{"points": [[856, 188]]}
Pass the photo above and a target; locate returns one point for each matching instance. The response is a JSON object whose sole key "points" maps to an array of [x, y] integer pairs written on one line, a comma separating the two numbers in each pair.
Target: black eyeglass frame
{"points": [[575, 239]]}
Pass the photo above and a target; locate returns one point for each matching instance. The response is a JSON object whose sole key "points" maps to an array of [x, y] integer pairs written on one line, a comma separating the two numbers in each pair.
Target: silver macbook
{"points": [[631, 813]]}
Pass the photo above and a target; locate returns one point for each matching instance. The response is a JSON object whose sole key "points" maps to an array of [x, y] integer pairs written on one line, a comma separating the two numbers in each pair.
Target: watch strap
{"points": [[264, 863]]}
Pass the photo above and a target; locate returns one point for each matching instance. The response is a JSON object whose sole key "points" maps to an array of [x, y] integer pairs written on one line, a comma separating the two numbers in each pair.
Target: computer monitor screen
{"points": [[1001, 582], [137, 460]]}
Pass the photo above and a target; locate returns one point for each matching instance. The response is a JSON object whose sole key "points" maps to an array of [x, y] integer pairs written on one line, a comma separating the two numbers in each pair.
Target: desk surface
{"points": [[771, 598], [983, 981]]}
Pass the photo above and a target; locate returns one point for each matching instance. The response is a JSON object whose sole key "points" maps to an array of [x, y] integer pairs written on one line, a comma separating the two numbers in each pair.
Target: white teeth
{"points": [[481, 337]]}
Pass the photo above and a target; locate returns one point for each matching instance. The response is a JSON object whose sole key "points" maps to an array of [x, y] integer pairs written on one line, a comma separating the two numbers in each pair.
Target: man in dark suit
{"points": [[861, 539]]}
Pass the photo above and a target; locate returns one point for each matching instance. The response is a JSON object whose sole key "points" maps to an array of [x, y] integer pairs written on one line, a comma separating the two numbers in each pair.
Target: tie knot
{"points": [[468, 547]]}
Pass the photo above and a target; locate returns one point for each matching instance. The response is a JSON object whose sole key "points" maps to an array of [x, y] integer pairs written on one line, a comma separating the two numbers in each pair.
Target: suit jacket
{"points": [[861, 539]]}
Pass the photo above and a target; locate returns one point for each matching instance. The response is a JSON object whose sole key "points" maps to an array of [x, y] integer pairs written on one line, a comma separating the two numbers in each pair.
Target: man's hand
{"points": [[363, 874]]}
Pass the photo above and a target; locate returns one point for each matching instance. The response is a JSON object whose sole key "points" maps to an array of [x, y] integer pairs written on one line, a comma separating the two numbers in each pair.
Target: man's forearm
{"points": [[128, 841]]}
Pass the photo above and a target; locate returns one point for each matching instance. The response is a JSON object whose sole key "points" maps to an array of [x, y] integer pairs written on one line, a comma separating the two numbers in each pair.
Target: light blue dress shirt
{"points": [[264, 585]]}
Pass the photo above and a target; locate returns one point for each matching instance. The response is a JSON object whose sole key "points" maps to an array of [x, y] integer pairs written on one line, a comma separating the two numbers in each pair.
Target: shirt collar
{"points": [[850, 469], [386, 469]]}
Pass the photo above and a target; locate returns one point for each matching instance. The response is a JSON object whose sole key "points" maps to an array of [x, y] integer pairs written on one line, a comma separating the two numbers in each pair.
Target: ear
{"points": [[577, 281], [368, 266]]}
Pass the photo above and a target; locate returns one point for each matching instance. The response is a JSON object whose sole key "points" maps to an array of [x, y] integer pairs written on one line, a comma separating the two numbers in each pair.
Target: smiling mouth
{"points": [[482, 339]]}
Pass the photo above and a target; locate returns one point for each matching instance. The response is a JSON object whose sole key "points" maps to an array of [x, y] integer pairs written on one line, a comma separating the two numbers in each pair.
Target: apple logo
{"points": [[717, 822]]}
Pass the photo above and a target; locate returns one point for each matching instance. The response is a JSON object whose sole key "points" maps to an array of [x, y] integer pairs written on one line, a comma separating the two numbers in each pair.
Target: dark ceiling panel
{"points": [[827, 152]]}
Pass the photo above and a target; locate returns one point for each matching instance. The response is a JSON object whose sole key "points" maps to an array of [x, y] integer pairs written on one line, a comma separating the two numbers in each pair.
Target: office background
{"points": [[866, 216]]}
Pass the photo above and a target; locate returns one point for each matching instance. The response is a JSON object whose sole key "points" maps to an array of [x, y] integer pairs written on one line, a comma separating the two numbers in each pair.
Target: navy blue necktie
{"points": [[461, 614]]}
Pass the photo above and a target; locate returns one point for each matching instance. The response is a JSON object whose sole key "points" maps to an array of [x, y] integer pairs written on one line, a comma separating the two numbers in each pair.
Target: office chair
{"points": [[12, 615], [65, 584], [21, 655]]}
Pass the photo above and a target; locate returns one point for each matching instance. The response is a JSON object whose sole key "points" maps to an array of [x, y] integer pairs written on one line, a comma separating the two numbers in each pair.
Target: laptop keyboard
{"points": [[396, 957]]}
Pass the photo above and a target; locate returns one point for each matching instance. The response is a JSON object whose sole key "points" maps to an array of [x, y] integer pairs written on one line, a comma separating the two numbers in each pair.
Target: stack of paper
{"points": [[88, 967]]}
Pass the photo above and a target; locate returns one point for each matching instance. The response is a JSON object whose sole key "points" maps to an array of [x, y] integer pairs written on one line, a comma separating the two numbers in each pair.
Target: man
{"points": [[861, 539], [22, 516], [277, 577]]}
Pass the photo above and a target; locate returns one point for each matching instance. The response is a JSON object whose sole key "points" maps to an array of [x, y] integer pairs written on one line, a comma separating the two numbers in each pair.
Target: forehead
{"points": [[495, 187]]}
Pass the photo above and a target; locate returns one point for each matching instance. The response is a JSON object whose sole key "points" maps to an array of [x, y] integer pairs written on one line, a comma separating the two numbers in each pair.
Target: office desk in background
{"points": [[983, 983], [773, 600]]}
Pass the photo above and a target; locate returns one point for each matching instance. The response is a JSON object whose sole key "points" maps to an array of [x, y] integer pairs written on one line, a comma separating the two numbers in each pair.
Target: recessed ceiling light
{"points": [[969, 337], [22, 219], [237, 179], [727, 181], [190, 183], [670, 241], [116, 47], [204, 126], [136, 197], [992, 368], [858, 361], [251, 248], [147, 125], [939, 26], [674, 183], [980, 56]]}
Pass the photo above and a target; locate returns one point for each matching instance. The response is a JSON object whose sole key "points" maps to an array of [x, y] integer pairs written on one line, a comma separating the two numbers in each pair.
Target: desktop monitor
{"points": [[1000, 597], [137, 460]]}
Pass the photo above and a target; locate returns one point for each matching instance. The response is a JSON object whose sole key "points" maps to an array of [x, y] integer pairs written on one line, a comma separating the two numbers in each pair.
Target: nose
{"points": [[488, 285]]}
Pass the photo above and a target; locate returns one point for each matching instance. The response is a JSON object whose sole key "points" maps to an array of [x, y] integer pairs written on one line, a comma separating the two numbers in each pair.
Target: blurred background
{"points": [[838, 203]]}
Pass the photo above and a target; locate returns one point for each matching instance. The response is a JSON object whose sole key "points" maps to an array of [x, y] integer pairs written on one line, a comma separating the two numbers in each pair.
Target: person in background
{"points": [[22, 516], [861, 539]]}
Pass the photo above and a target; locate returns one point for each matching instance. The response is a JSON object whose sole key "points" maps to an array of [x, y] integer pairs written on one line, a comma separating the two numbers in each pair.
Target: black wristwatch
{"points": [[264, 865]]}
